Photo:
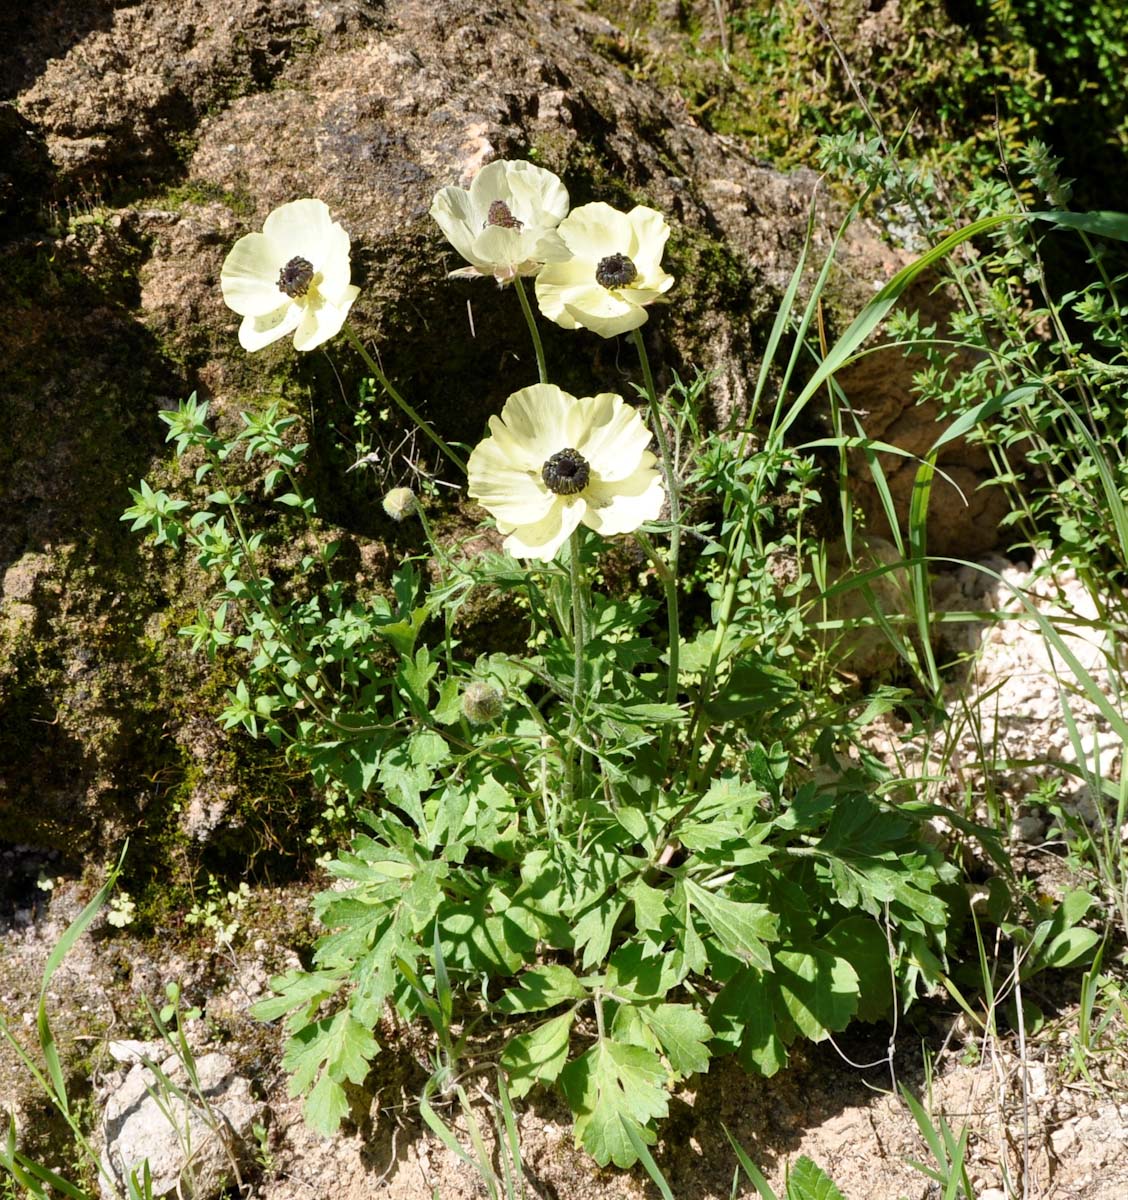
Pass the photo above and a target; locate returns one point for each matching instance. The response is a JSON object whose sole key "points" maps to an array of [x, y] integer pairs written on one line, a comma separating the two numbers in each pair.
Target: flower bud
{"points": [[400, 503], [481, 703]]}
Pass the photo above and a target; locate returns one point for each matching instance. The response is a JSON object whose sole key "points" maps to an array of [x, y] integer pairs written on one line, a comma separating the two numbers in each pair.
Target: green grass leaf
{"points": [[677, 1031], [741, 1019], [336, 1048], [540, 988], [861, 942], [810, 1182]]}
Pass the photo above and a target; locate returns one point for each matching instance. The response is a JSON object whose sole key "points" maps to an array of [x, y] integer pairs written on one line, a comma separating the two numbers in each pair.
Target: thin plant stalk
{"points": [[669, 474], [403, 405], [534, 333], [579, 642]]}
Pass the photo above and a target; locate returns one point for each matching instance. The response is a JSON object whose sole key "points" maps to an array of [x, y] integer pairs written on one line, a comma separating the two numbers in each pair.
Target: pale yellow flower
{"points": [[291, 278], [553, 461], [503, 225], [613, 269]]}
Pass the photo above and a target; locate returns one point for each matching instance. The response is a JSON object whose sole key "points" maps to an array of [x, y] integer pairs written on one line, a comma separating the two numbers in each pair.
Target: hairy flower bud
{"points": [[481, 703], [400, 503]]}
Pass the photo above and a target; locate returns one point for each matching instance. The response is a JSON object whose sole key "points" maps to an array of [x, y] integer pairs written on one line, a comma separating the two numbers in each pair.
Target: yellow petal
{"points": [[648, 235], [334, 267], [249, 276], [302, 228], [623, 506], [616, 438], [257, 332], [322, 321], [542, 539], [594, 231], [606, 315], [538, 417]]}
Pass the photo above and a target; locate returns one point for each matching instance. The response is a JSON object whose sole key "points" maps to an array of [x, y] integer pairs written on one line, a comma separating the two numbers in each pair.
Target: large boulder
{"points": [[157, 133]]}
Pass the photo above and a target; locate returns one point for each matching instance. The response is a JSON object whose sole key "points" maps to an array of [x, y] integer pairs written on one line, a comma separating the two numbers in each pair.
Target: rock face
{"points": [[147, 137]]}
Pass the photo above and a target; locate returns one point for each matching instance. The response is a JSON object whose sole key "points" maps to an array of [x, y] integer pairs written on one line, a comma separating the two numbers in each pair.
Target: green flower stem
{"points": [[579, 642], [439, 551], [670, 580], [534, 333], [698, 721], [404, 407]]}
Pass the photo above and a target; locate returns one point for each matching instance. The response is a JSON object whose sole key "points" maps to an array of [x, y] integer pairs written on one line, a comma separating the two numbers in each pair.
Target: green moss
{"points": [[964, 77], [195, 191]]}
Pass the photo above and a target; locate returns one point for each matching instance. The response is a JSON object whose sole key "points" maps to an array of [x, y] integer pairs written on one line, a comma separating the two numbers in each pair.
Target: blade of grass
{"points": [[73, 932], [918, 571], [647, 1160], [750, 1169]]}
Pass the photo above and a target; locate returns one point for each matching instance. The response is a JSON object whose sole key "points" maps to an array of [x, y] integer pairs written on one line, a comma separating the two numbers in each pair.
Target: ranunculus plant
{"points": [[503, 224], [584, 843]]}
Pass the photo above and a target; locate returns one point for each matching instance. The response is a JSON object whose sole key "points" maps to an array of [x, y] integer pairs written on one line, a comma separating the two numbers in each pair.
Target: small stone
{"points": [[1028, 830], [1063, 1140]]}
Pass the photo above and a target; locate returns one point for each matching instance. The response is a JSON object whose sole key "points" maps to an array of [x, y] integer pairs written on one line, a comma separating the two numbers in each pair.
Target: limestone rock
{"points": [[204, 115], [215, 1123]]}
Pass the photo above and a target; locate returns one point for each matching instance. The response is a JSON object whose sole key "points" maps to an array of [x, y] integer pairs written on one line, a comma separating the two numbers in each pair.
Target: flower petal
{"points": [[511, 495], [539, 198], [491, 183], [249, 276], [605, 314], [498, 246], [616, 439], [649, 232], [623, 506], [322, 321], [542, 539], [596, 230], [334, 266], [557, 283], [454, 215], [302, 228], [258, 331], [538, 417]]}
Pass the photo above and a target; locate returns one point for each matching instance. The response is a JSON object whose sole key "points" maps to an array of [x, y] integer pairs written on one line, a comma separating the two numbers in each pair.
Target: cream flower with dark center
{"points": [[610, 271], [291, 278], [295, 277], [553, 461], [503, 224], [566, 473], [499, 214], [616, 270]]}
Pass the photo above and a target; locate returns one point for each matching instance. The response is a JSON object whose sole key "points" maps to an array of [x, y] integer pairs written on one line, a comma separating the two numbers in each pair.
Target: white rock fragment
{"points": [[193, 1146]]}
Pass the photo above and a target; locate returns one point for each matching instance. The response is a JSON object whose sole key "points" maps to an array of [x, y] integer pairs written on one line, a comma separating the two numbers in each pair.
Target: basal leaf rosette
{"points": [[504, 224], [291, 278], [612, 271], [553, 461]]}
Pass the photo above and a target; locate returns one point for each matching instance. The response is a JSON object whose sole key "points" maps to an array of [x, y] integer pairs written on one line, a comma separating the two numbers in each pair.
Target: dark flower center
{"points": [[499, 214], [616, 270], [566, 473], [295, 277]]}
